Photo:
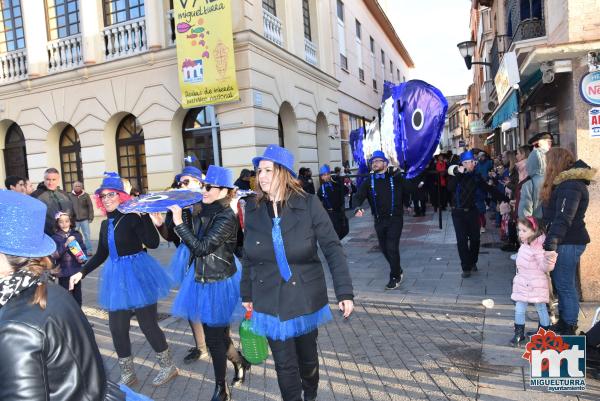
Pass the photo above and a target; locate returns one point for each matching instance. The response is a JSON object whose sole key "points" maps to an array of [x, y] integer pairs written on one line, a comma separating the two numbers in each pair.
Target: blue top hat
{"points": [[278, 155], [22, 221], [325, 169], [219, 177], [111, 181], [465, 156], [378, 154], [190, 171]]}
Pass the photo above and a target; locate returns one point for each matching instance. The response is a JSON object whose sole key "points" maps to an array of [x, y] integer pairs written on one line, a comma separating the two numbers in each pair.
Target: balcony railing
{"points": [[526, 20], [171, 22], [272, 28], [125, 39], [13, 66], [310, 52], [65, 54], [530, 29]]}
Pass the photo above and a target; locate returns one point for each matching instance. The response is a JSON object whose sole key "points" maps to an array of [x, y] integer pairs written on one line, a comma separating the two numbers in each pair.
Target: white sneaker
{"points": [[513, 256], [482, 230]]}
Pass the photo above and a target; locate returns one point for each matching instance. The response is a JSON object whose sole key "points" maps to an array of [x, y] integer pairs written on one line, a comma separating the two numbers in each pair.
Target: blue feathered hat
{"points": [[111, 180], [278, 155]]}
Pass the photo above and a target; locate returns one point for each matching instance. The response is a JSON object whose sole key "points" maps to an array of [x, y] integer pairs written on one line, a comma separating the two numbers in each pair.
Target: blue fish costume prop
{"points": [[413, 115]]}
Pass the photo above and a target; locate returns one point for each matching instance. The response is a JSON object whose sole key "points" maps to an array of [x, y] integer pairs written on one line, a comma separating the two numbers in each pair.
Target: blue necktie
{"points": [[380, 175], [284, 267], [112, 246]]}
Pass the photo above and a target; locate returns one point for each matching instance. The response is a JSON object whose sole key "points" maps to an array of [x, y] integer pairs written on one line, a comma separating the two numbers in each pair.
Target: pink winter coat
{"points": [[531, 281]]}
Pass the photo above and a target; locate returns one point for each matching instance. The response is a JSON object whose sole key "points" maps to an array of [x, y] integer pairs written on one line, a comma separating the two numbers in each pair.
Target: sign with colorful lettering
{"points": [[594, 114], [205, 55], [590, 88], [507, 75]]}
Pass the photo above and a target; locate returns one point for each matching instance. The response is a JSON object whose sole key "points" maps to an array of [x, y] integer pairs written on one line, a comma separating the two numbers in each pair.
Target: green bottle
{"points": [[255, 348]]}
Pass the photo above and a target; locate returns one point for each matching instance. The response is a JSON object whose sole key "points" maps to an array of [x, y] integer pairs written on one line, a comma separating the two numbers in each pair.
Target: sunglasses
{"points": [[208, 187], [184, 182], [109, 195]]}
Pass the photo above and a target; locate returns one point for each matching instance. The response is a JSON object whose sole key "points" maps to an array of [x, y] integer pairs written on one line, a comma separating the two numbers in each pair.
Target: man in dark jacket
{"points": [[332, 194], [465, 215], [383, 189], [55, 198], [84, 212]]}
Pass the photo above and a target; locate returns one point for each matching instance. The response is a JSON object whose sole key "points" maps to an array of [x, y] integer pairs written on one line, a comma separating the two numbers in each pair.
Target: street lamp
{"points": [[467, 49]]}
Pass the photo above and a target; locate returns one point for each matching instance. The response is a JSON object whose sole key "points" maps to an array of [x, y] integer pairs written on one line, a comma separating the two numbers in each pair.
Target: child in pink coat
{"points": [[530, 285]]}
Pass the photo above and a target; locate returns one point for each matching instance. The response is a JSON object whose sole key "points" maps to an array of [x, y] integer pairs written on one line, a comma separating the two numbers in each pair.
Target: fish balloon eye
{"points": [[417, 119]]}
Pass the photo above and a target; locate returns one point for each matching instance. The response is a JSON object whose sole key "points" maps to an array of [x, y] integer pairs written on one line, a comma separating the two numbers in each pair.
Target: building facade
{"points": [[92, 86], [538, 52]]}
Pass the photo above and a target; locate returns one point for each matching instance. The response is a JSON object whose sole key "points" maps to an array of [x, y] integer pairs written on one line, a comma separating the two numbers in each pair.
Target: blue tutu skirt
{"points": [[209, 303], [132, 281], [275, 329], [179, 264]]}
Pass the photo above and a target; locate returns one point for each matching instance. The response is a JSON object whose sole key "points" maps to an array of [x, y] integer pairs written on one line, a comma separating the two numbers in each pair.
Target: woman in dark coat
{"points": [[47, 346], [283, 281], [565, 199]]}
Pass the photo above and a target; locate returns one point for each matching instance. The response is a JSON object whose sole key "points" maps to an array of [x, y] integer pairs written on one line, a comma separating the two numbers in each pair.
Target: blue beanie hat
{"points": [[465, 156]]}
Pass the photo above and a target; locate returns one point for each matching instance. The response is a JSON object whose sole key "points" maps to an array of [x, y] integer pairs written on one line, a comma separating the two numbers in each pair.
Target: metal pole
{"points": [[439, 203]]}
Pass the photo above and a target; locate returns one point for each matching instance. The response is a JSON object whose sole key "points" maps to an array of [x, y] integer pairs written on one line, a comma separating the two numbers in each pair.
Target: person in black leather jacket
{"points": [[47, 347], [212, 239]]}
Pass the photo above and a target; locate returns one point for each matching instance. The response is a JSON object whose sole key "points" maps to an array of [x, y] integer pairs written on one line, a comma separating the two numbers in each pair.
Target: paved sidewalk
{"points": [[431, 339]]}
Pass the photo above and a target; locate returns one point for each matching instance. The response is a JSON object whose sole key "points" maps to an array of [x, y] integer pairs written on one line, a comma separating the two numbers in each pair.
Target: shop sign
{"points": [[205, 54], [589, 88], [507, 75], [594, 115], [478, 127]]}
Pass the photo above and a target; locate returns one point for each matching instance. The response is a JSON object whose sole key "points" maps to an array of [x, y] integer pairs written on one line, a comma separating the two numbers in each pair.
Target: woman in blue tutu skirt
{"points": [[212, 293], [131, 281], [190, 178], [283, 282]]}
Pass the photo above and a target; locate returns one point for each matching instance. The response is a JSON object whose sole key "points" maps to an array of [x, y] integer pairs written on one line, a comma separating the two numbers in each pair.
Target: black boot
{"points": [[222, 392], [563, 328], [532, 333], [241, 371], [519, 335]]}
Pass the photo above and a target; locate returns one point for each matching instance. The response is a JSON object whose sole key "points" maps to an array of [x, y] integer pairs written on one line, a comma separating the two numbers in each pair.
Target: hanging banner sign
{"points": [[205, 55], [594, 115], [507, 75]]}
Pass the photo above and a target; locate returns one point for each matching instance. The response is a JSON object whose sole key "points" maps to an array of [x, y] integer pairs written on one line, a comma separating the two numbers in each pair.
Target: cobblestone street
{"points": [[431, 339]]}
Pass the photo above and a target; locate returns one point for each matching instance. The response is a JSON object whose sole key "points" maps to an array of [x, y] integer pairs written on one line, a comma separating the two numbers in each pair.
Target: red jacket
{"points": [[442, 168]]}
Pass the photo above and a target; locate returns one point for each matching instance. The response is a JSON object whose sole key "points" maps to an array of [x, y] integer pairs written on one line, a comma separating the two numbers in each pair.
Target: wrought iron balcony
{"points": [[500, 46], [525, 22]]}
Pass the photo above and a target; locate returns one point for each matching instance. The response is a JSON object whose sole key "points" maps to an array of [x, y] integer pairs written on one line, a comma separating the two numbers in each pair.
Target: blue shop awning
{"points": [[506, 110]]}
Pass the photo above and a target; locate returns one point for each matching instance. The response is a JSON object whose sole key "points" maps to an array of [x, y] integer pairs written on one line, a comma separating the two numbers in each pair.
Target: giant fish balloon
{"points": [[412, 121]]}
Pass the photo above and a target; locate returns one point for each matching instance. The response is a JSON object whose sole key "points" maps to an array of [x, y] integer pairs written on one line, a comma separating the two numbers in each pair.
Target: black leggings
{"points": [[147, 317], [221, 349]]}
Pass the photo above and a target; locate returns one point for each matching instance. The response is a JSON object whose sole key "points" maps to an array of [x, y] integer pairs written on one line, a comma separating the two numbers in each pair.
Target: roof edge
{"points": [[381, 17]]}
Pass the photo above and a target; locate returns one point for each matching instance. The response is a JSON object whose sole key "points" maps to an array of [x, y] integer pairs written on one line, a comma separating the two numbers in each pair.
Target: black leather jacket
{"points": [[50, 354], [213, 249]]}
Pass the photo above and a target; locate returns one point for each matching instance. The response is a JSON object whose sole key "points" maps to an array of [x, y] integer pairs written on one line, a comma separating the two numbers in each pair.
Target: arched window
{"points": [[131, 153], [15, 154], [70, 157], [201, 136]]}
